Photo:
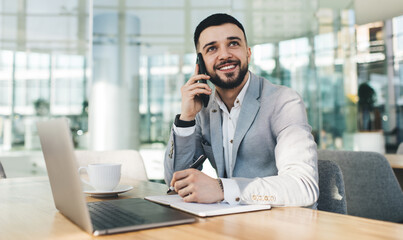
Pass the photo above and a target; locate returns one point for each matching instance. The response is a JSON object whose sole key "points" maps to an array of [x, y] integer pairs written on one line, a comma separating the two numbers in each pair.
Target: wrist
{"points": [[183, 123], [221, 187], [184, 117], [220, 183]]}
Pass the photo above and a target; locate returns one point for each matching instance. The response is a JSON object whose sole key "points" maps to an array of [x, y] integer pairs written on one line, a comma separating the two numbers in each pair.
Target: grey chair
{"points": [[331, 188], [400, 148], [2, 173], [372, 190]]}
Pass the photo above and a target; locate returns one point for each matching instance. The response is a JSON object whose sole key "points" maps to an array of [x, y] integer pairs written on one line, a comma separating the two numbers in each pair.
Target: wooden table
{"points": [[395, 160], [27, 212]]}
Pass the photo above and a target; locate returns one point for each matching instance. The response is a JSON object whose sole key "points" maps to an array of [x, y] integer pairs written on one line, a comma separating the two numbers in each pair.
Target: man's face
{"points": [[226, 55]]}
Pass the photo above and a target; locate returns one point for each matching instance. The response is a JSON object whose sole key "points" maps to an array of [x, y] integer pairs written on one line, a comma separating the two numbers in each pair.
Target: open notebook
{"points": [[204, 210]]}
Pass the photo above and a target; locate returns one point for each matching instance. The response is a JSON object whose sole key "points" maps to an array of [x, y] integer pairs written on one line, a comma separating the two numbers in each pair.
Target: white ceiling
{"points": [[265, 21], [165, 26]]}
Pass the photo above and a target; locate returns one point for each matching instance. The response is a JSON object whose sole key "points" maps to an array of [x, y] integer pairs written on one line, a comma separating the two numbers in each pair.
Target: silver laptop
{"points": [[97, 218]]}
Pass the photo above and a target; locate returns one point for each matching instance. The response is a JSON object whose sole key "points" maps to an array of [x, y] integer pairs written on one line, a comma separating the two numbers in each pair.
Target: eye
{"points": [[234, 43], [211, 49]]}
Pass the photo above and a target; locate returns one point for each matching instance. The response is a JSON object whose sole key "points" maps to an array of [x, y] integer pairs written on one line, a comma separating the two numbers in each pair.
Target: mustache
{"points": [[218, 65]]}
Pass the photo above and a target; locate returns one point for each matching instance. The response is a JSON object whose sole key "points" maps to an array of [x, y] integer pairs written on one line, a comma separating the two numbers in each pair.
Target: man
{"points": [[254, 133]]}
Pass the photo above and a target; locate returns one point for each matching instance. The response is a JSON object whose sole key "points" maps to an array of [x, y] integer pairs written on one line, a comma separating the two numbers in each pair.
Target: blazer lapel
{"points": [[250, 107], [216, 138]]}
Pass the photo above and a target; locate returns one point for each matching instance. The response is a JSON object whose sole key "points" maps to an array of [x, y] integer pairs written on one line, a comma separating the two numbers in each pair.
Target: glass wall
{"points": [[43, 61], [115, 67]]}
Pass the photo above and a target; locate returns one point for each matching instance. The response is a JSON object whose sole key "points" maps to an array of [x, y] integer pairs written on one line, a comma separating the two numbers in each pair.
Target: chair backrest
{"points": [[2, 172], [372, 190], [400, 148], [131, 160], [332, 196]]}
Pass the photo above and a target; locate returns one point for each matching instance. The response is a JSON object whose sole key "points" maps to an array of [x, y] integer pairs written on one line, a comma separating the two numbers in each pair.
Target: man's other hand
{"points": [[195, 186]]}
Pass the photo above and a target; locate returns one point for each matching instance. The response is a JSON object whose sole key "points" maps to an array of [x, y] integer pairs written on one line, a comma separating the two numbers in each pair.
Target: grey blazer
{"points": [[274, 154]]}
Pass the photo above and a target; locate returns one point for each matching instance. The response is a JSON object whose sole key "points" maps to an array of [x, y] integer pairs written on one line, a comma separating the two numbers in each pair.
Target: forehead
{"points": [[220, 33]]}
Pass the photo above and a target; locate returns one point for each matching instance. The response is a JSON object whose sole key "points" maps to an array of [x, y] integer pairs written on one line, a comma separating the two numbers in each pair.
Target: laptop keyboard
{"points": [[105, 215]]}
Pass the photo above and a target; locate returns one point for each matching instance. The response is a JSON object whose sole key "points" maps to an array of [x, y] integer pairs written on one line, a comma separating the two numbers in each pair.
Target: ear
{"points": [[249, 53]]}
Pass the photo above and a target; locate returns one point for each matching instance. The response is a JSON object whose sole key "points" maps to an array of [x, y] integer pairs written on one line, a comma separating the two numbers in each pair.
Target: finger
{"points": [[183, 192], [178, 176], [180, 185], [198, 92], [197, 86], [173, 180], [190, 198], [195, 78]]}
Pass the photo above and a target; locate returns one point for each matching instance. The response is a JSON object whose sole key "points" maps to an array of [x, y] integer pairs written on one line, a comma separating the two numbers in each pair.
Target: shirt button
{"points": [[231, 141], [214, 110], [237, 199], [237, 101]]}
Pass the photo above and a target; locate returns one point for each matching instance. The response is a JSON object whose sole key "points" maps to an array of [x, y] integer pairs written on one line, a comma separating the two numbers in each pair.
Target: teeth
{"points": [[228, 67]]}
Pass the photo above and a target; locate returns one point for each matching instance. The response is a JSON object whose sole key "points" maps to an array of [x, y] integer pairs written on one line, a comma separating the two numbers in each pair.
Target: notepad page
{"points": [[204, 210]]}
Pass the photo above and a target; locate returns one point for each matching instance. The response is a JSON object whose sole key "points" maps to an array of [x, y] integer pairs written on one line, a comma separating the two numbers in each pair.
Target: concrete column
{"points": [[114, 102]]}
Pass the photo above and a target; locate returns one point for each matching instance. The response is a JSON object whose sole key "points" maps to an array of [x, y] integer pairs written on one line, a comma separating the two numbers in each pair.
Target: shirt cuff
{"points": [[184, 131], [231, 191]]}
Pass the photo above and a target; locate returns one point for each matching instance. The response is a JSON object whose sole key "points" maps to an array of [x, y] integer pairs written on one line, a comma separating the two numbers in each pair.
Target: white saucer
{"points": [[114, 192]]}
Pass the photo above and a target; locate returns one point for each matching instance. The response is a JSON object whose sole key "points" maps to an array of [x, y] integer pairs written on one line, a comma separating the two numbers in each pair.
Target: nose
{"points": [[224, 53]]}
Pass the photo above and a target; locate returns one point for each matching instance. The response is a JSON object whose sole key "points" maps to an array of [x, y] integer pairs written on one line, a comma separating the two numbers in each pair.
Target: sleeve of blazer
{"points": [[181, 152], [296, 159]]}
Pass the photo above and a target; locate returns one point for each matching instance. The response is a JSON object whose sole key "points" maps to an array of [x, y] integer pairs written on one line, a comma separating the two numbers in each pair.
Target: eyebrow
{"points": [[228, 38]]}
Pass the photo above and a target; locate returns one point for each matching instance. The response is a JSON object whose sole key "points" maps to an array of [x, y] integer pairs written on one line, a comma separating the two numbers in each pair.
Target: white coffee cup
{"points": [[102, 176]]}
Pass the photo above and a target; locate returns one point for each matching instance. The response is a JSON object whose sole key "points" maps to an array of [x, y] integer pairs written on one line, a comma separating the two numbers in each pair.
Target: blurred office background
{"points": [[115, 68]]}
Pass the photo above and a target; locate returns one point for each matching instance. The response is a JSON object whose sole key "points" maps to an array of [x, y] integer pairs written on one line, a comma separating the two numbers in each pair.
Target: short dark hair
{"points": [[215, 20]]}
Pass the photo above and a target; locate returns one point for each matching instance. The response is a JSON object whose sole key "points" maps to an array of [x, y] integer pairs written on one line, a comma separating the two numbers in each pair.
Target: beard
{"points": [[234, 79]]}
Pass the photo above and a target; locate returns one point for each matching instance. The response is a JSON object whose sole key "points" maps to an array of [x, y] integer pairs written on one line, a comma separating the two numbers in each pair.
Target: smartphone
{"points": [[202, 70]]}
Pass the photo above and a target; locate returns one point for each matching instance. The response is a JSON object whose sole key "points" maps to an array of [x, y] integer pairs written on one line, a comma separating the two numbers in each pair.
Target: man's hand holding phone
{"points": [[191, 95]]}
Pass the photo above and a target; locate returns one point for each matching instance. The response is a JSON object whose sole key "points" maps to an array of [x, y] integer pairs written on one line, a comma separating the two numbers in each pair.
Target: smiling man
{"points": [[254, 133]]}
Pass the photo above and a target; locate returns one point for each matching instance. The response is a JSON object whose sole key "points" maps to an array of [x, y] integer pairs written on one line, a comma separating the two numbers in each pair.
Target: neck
{"points": [[228, 96]]}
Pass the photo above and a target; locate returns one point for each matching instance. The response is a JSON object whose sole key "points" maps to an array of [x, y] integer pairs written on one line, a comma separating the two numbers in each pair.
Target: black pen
{"points": [[195, 165], [198, 162]]}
